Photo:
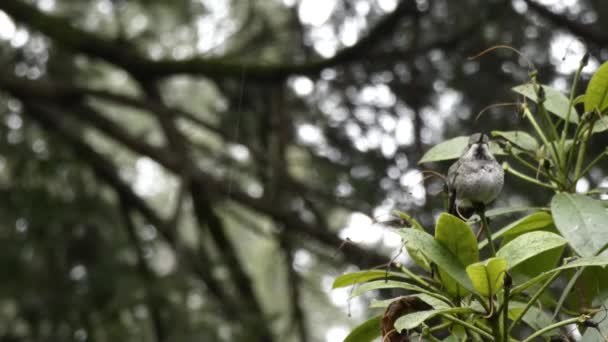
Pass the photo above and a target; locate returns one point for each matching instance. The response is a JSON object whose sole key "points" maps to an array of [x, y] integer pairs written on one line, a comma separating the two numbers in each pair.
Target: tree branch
{"points": [[353, 253], [293, 281], [586, 32], [147, 275], [54, 91], [105, 170], [206, 216], [61, 31]]}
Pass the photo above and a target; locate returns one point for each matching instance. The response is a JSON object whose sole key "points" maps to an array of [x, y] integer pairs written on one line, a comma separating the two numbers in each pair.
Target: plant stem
{"points": [[440, 326], [481, 301], [527, 178], [532, 300], [432, 338], [596, 191], [575, 141], [567, 290], [416, 278], [505, 311], [592, 164], [557, 325], [468, 326], [543, 111], [483, 326], [540, 132], [533, 168], [571, 100], [581, 153], [486, 228], [495, 323]]}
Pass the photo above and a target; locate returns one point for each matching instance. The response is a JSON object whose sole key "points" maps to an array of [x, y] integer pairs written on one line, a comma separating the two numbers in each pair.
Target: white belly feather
{"points": [[482, 185]]}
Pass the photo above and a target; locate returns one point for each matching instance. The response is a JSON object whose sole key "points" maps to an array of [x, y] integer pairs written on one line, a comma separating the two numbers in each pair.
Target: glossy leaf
{"points": [[601, 125], [593, 335], [601, 260], [555, 102], [532, 222], [434, 302], [495, 212], [412, 251], [582, 221], [488, 276], [363, 276], [452, 149], [459, 333], [538, 264], [589, 289], [528, 245], [418, 256], [438, 254], [454, 234], [366, 332], [519, 139], [596, 96], [458, 237], [383, 284], [536, 221], [409, 220], [530, 282], [535, 318], [414, 319]]}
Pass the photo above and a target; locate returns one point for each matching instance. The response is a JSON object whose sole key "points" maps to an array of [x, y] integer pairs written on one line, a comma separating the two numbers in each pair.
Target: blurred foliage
{"points": [[213, 208]]}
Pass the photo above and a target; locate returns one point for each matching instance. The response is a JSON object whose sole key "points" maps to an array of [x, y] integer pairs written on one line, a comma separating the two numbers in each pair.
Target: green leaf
{"points": [[531, 282], [528, 245], [600, 260], [601, 125], [579, 99], [458, 237], [534, 317], [596, 96], [535, 221], [438, 254], [519, 139], [593, 335], [410, 220], [510, 210], [434, 302], [414, 319], [418, 256], [582, 221], [538, 264], [459, 333], [382, 284], [488, 276], [452, 149], [366, 332], [555, 102], [363, 276], [454, 234], [589, 289], [412, 251]]}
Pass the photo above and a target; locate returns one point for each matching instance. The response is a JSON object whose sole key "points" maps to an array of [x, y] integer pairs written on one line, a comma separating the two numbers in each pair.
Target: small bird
{"points": [[476, 178]]}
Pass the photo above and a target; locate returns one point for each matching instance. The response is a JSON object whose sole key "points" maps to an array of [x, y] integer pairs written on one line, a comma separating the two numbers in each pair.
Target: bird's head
{"points": [[478, 147]]}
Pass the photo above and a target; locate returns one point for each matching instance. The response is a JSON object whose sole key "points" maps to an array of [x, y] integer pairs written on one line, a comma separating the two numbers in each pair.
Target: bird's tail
{"points": [[452, 201]]}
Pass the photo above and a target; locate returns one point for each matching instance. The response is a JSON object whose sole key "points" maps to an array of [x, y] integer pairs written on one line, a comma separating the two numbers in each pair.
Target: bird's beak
{"points": [[480, 139]]}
